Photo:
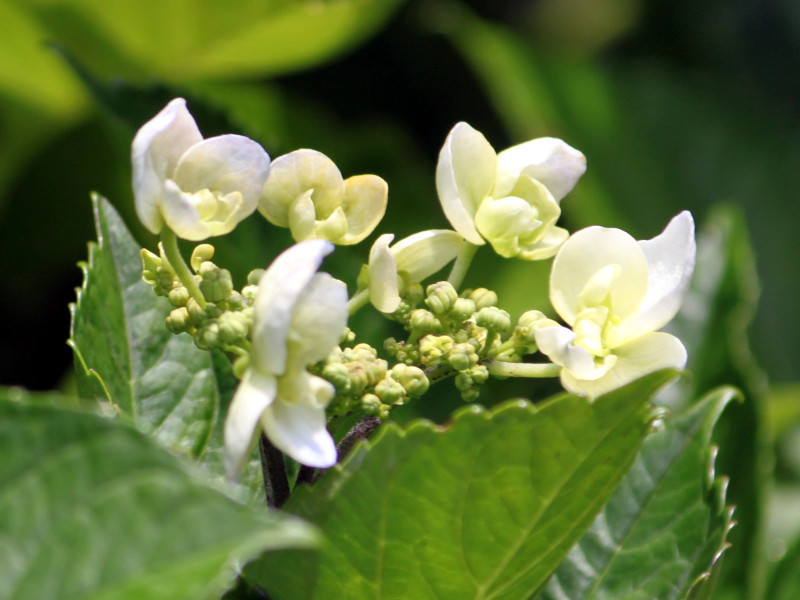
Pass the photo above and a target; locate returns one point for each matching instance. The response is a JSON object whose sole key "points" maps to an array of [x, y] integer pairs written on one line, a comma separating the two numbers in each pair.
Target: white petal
{"points": [[254, 394], [551, 161], [423, 254], [278, 291], [296, 173], [226, 163], [297, 428], [364, 203], [318, 320], [644, 355], [181, 215], [670, 263], [465, 175], [556, 343], [584, 254], [384, 292], [155, 151]]}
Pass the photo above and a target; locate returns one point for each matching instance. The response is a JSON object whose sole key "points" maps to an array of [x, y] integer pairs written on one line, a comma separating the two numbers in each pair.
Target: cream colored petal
{"points": [[422, 254], [279, 289], [318, 319], [556, 343], [255, 393], [298, 427], [225, 164], [364, 205], [465, 175], [506, 218], [296, 173], [155, 151], [545, 247], [384, 291], [334, 228], [644, 355], [551, 161], [302, 218], [670, 264], [179, 211], [584, 254]]}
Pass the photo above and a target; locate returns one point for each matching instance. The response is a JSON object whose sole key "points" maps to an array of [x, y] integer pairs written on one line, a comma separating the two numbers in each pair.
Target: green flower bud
{"points": [[165, 281], [462, 357], [376, 370], [178, 296], [390, 391], [423, 322], [470, 394], [240, 366], [254, 276], [483, 298], [371, 404], [216, 284], [413, 294], [338, 374], [197, 315], [433, 347], [234, 327], [249, 292], [479, 373], [208, 337], [413, 379], [150, 264], [348, 337], [441, 297], [463, 309], [494, 319], [201, 254], [526, 325], [178, 320]]}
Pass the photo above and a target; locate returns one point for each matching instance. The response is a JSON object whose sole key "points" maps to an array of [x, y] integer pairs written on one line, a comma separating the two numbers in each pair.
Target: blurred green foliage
{"points": [[678, 105]]}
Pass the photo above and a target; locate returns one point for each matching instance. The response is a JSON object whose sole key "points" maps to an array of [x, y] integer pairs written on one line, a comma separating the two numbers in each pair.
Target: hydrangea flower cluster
{"points": [[286, 328]]}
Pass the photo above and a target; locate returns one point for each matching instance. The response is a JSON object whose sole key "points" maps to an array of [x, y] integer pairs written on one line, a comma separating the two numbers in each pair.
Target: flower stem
{"points": [[509, 369], [276, 484], [358, 301], [461, 266], [170, 243]]}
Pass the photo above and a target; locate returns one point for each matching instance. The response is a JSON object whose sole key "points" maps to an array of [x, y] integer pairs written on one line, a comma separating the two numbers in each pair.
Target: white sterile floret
{"points": [[510, 199], [197, 187], [306, 193], [615, 293], [299, 318], [410, 260]]}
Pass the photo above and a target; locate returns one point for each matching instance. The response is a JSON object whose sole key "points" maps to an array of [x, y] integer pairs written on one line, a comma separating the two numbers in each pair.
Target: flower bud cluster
{"points": [[364, 382], [224, 320]]}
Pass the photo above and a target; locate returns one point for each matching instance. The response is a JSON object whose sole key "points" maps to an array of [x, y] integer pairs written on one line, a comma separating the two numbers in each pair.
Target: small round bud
{"points": [[338, 374], [423, 322], [348, 337], [441, 297], [462, 357], [494, 319], [233, 327], [413, 379], [483, 298], [371, 404], [463, 309], [390, 391], [249, 292], [178, 320], [201, 254], [479, 373], [413, 294], [178, 296], [216, 284], [197, 315], [254, 276], [207, 337], [433, 347]]}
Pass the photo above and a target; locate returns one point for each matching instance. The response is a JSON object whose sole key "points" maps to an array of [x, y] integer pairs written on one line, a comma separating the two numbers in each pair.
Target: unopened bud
{"points": [[338, 374], [150, 264], [208, 337], [201, 254], [413, 294], [178, 296], [371, 404], [178, 320], [462, 357], [440, 297], [483, 298], [254, 276], [433, 347], [390, 391], [217, 283], [413, 379], [423, 322], [233, 327], [463, 309], [494, 319]]}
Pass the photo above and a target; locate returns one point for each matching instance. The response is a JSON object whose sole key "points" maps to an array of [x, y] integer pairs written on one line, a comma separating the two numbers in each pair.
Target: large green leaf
{"points": [[714, 325], [91, 509], [180, 40], [485, 507], [664, 528], [124, 353]]}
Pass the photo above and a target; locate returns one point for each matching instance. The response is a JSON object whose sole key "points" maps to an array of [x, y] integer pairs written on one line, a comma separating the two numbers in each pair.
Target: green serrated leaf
{"points": [[485, 507], [124, 353], [91, 509], [664, 528]]}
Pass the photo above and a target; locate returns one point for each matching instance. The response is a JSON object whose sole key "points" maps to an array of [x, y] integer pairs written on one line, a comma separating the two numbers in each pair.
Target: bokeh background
{"points": [[677, 105]]}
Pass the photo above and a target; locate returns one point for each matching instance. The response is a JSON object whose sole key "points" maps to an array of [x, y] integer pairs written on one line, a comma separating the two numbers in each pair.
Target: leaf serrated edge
{"points": [[716, 487]]}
